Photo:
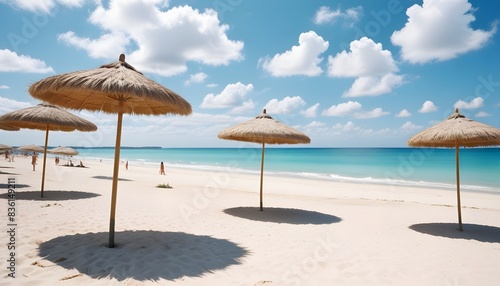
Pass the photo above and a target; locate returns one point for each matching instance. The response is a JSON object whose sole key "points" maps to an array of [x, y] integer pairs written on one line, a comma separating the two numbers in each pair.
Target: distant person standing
{"points": [[162, 169], [33, 160], [126, 166]]}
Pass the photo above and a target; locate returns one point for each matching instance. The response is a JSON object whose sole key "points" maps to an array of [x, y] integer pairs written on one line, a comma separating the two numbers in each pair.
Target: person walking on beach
{"points": [[162, 169], [126, 166], [33, 160]]}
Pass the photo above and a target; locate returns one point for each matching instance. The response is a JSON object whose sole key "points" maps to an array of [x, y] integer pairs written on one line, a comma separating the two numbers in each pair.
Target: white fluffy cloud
{"points": [[303, 59], [284, 106], [199, 37], [8, 105], [245, 107], [44, 6], [473, 104], [326, 15], [482, 114], [349, 126], [403, 113], [373, 67], [343, 109], [375, 113], [373, 86], [311, 111], [232, 96], [409, 126], [427, 107], [4, 86], [366, 58], [315, 124], [439, 30], [12, 62], [196, 78]]}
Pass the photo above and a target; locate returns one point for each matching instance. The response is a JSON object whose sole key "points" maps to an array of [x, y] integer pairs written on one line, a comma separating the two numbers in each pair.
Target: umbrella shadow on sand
{"points": [[110, 178], [483, 233], [8, 173], [52, 195], [283, 215], [4, 186], [141, 255]]}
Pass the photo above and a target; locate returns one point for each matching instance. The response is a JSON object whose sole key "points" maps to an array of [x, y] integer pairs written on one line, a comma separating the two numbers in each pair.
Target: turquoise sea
{"points": [[479, 167]]}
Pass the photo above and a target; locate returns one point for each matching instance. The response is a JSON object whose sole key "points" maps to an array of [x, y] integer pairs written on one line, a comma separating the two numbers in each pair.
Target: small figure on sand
{"points": [[162, 169], [126, 166], [33, 160]]}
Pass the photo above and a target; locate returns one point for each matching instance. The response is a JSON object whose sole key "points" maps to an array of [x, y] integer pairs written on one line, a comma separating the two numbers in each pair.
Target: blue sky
{"points": [[346, 73]]}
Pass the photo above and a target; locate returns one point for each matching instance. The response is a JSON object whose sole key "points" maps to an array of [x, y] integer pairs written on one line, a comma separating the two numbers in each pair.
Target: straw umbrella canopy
{"points": [[67, 151], [4, 147], [31, 148], [113, 88], [455, 132], [46, 117], [264, 129]]}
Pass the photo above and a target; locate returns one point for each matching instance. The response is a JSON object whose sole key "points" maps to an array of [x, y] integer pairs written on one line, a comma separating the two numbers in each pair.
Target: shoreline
{"points": [[314, 176]]}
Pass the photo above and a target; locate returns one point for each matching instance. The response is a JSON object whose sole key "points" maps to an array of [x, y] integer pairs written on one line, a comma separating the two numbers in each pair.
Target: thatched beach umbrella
{"points": [[31, 148], [455, 132], [4, 147], [46, 117], [113, 88], [264, 129], [67, 151]]}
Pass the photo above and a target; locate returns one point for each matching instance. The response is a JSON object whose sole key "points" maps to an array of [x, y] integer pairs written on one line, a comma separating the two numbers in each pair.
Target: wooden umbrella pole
{"points": [[457, 159], [115, 178], [44, 158], [261, 176]]}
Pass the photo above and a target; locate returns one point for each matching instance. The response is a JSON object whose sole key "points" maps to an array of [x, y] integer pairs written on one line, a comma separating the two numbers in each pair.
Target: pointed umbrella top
{"points": [[264, 129], [100, 89], [457, 129]]}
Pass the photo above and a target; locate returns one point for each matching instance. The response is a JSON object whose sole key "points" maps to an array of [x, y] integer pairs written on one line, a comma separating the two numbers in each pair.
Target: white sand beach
{"points": [[207, 230]]}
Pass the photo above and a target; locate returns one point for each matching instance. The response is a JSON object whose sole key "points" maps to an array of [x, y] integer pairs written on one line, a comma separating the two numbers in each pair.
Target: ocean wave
{"points": [[340, 178], [392, 182]]}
